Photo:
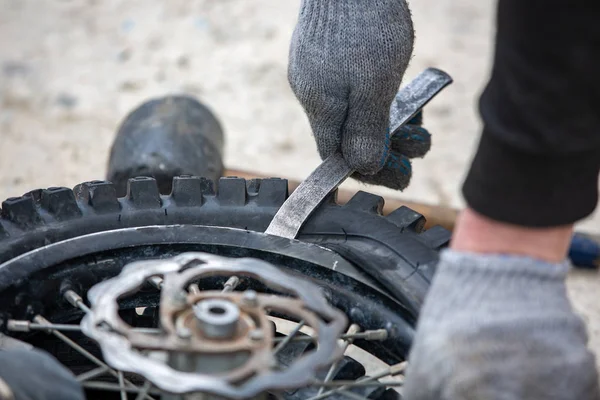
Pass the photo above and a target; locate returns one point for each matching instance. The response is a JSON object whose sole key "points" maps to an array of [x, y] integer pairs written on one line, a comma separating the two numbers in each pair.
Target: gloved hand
{"points": [[410, 141], [347, 60], [36, 375], [499, 327]]}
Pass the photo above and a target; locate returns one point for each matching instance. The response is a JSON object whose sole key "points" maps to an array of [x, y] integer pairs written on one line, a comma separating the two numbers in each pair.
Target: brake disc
{"points": [[217, 342]]}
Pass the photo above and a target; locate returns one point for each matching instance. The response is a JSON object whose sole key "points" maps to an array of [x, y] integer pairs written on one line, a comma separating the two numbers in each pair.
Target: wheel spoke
{"points": [[76, 301], [353, 384], [372, 335], [43, 321], [231, 284], [92, 374], [289, 337], [122, 386], [351, 395], [353, 329], [113, 387], [144, 391], [16, 325], [26, 326], [365, 381], [58, 327]]}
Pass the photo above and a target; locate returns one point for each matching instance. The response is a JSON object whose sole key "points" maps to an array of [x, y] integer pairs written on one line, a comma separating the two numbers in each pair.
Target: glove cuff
{"points": [[496, 326], [501, 267], [511, 286]]}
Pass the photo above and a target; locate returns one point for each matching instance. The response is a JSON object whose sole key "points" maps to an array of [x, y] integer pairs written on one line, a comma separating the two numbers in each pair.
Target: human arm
{"points": [[497, 322], [347, 60]]}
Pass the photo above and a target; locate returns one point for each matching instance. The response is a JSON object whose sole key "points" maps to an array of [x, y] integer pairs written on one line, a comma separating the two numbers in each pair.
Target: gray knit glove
{"points": [[499, 327], [347, 60]]}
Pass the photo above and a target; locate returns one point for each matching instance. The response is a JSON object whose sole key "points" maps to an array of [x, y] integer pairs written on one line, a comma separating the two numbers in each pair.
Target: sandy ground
{"points": [[71, 69]]}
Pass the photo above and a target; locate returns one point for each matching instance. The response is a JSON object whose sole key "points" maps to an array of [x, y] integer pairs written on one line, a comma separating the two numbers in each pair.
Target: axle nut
{"points": [[217, 319]]}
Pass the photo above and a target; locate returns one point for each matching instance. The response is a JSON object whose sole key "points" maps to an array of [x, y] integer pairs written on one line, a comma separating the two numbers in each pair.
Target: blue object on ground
{"points": [[584, 251]]}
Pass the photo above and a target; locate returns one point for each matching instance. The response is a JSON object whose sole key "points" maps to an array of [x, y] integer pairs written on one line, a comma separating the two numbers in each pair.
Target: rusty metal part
{"points": [[238, 364], [334, 170], [217, 319]]}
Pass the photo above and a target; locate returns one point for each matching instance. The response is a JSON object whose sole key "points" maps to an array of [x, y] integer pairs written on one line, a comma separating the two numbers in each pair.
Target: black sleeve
{"points": [[539, 155]]}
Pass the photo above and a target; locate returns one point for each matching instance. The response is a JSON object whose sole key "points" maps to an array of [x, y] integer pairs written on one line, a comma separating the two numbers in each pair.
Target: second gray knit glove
{"points": [[36, 375], [499, 327], [347, 60]]}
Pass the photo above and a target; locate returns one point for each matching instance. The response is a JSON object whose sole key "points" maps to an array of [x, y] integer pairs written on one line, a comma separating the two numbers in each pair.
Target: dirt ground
{"points": [[71, 69]]}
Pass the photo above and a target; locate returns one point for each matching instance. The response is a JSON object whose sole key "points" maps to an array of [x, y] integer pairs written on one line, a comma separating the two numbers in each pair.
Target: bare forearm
{"points": [[476, 233]]}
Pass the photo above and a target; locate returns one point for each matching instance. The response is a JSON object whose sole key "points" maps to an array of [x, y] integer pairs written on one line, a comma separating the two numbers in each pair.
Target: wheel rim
{"points": [[344, 287]]}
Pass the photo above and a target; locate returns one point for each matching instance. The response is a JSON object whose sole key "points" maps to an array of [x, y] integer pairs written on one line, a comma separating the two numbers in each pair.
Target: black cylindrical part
{"points": [[167, 137]]}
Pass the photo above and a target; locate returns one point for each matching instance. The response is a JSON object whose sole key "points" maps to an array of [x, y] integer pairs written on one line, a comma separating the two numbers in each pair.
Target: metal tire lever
{"points": [[334, 170]]}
